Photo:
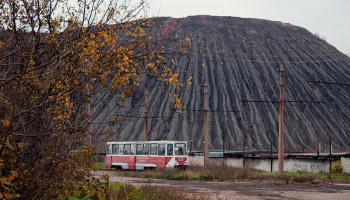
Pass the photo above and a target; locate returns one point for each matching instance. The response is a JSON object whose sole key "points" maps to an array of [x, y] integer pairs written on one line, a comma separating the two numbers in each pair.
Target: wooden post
{"points": [[280, 128], [223, 149], [320, 147], [89, 123], [244, 141], [271, 159], [146, 114], [223, 144], [330, 146], [206, 131]]}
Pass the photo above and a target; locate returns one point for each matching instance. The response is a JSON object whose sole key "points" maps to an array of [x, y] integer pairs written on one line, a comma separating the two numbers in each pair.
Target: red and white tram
{"points": [[140, 155]]}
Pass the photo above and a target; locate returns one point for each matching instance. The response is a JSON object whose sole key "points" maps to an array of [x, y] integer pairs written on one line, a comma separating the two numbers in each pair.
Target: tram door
{"points": [[133, 152], [170, 149], [169, 153]]}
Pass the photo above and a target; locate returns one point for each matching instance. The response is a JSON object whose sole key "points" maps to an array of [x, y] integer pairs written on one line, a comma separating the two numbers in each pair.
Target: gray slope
{"points": [[238, 58]]}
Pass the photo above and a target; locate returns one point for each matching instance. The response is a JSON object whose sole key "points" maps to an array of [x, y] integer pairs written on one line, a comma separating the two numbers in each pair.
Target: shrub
{"points": [[336, 167]]}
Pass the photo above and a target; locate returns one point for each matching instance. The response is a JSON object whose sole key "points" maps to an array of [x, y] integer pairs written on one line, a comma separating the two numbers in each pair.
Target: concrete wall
{"points": [[291, 165], [196, 160], [237, 162], [304, 165], [345, 163], [261, 164]]}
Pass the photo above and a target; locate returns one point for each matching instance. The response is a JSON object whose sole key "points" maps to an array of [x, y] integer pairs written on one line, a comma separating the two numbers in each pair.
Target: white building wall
{"points": [[196, 160], [259, 164], [345, 163], [290, 164], [304, 165], [236, 162], [199, 160]]}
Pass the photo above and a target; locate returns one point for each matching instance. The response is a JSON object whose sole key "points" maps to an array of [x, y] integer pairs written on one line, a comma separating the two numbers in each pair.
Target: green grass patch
{"points": [[100, 166], [195, 176], [305, 177]]}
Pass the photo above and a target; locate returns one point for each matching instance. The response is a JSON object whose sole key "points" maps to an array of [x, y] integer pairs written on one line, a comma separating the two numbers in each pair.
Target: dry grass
{"points": [[221, 172], [115, 191], [214, 172]]}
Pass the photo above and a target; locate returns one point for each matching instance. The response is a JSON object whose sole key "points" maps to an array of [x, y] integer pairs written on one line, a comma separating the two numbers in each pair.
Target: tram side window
{"points": [[115, 149], [127, 149], [170, 150], [153, 149], [109, 149], [121, 149], [132, 150], [180, 149], [146, 149], [161, 150], [139, 149]]}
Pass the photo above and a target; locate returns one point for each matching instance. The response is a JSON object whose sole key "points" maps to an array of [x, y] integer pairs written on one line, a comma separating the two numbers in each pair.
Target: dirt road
{"points": [[251, 191]]}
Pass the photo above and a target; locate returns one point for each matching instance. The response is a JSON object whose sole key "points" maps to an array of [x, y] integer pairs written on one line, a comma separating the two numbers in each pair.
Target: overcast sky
{"points": [[329, 18]]}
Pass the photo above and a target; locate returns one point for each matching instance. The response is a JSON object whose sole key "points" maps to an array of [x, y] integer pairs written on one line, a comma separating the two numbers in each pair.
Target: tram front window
{"points": [[180, 149], [109, 149], [114, 148]]}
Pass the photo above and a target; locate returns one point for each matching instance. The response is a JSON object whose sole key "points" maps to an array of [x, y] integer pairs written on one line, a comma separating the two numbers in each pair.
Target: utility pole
{"points": [[206, 134], [280, 128], [146, 113], [246, 133], [223, 149], [330, 145], [223, 144], [89, 123], [271, 159]]}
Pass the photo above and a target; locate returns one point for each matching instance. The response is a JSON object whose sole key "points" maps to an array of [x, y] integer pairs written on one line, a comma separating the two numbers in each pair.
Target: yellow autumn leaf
{"points": [[31, 62], [5, 122], [189, 81], [10, 178], [59, 117]]}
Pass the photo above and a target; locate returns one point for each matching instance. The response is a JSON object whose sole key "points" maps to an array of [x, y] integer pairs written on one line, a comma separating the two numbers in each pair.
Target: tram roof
{"points": [[146, 142]]}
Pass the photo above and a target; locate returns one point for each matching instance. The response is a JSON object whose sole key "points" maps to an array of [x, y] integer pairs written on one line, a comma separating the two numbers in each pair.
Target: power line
{"points": [[286, 101], [329, 83], [276, 61], [154, 117], [99, 123], [272, 56], [202, 110]]}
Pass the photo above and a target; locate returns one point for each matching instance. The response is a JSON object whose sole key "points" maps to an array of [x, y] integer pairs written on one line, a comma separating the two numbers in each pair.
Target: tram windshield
{"points": [[180, 149], [109, 149]]}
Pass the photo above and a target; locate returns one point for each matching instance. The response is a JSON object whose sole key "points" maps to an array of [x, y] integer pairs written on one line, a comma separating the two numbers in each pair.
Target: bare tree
{"points": [[51, 56]]}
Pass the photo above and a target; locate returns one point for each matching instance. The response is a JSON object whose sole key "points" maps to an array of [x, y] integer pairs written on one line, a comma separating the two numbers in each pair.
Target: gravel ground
{"points": [[242, 190]]}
